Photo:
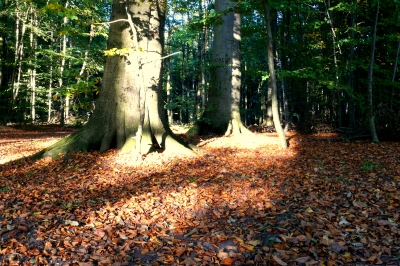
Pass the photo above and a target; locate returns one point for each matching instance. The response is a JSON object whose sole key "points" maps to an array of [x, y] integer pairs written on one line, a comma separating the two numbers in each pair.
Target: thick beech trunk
{"points": [[129, 112], [222, 113]]}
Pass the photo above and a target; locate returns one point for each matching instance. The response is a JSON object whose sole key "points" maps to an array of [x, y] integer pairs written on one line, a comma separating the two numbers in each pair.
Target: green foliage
{"points": [[46, 24], [4, 189], [368, 166], [305, 40]]}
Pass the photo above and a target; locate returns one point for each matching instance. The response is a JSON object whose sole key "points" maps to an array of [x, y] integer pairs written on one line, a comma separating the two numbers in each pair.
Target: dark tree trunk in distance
{"points": [[370, 84]]}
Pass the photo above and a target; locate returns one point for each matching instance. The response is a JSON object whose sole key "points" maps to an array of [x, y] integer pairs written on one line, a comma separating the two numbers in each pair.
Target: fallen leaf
{"points": [[189, 261], [302, 259], [227, 261], [180, 251], [279, 261], [254, 242]]}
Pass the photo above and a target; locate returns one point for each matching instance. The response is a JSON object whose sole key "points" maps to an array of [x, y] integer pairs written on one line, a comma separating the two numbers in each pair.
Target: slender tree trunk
{"points": [[271, 66], [288, 119], [32, 64], [204, 45], [167, 67], [351, 108], [335, 62], [50, 86], [169, 98], [84, 63], [201, 95], [20, 29], [6, 99], [394, 76], [183, 76], [63, 48], [270, 119], [370, 83], [285, 55]]}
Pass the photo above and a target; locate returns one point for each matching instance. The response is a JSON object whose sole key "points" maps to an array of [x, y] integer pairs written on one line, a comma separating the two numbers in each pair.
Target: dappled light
{"points": [[16, 142], [240, 201]]}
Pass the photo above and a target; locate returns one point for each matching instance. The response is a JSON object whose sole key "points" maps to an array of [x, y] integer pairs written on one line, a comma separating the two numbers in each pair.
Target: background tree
{"points": [[272, 77], [322, 51], [35, 35], [370, 76], [222, 114]]}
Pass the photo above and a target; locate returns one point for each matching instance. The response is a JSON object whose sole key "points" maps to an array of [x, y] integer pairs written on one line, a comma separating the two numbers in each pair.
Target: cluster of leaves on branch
{"points": [[242, 202]]}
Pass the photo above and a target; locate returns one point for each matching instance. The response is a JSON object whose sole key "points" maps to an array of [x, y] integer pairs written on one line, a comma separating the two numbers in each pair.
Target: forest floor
{"points": [[242, 201]]}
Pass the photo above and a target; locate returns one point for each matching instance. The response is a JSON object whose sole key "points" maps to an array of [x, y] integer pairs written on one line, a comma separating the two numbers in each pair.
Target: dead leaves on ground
{"points": [[317, 203]]}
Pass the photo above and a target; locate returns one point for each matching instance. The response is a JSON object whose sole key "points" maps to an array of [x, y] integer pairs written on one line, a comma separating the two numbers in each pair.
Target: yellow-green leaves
{"points": [[115, 51]]}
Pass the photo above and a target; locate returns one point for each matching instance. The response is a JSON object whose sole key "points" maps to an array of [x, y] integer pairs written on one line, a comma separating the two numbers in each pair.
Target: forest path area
{"points": [[242, 201]]}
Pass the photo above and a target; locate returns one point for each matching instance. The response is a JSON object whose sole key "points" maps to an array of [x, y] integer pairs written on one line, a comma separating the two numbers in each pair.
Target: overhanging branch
{"points": [[161, 58]]}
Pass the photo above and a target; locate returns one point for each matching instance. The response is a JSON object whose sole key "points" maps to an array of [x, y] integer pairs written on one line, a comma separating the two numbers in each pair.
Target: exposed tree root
{"points": [[86, 139]]}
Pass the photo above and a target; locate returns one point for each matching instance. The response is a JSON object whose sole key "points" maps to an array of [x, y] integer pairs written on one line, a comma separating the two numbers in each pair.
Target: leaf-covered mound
{"points": [[242, 202]]}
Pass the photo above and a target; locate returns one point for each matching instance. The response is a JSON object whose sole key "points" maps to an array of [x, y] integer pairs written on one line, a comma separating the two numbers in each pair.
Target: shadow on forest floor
{"points": [[241, 202]]}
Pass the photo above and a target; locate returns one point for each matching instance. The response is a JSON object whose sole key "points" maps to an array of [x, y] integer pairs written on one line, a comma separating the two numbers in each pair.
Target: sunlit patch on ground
{"points": [[16, 143]]}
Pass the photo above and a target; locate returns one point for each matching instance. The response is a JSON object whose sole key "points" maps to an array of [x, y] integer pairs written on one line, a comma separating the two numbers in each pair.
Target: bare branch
{"points": [[162, 58]]}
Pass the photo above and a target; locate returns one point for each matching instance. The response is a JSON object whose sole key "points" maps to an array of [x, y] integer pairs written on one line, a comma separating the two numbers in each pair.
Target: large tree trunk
{"points": [[129, 112], [222, 114], [271, 66]]}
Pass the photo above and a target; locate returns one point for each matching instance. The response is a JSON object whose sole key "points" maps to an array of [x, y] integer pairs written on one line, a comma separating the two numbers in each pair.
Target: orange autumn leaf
{"points": [[226, 261]]}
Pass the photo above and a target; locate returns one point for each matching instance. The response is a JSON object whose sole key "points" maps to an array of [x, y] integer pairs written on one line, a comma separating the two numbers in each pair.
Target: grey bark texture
{"points": [[129, 113], [274, 92], [222, 113]]}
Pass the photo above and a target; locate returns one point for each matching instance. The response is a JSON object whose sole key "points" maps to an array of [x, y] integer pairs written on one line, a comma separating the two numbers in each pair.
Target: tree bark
{"points": [[32, 63], [222, 113], [274, 92], [335, 61], [129, 113], [370, 84], [20, 29], [50, 84], [350, 93], [5, 95], [394, 76], [63, 98], [203, 43]]}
